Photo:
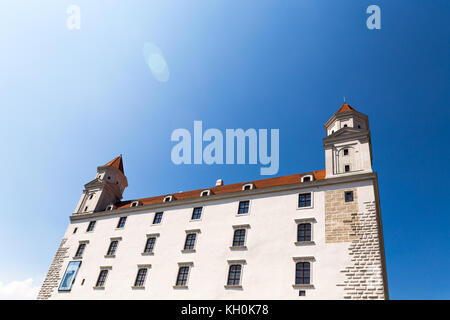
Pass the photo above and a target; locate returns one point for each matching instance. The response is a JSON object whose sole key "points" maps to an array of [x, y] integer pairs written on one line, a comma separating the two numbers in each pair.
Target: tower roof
{"points": [[116, 163], [346, 107]]}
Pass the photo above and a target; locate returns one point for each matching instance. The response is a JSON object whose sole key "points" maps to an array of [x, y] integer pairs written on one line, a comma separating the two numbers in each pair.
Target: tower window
{"points": [[140, 277], [345, 126], [86, 209], [90, 226], [157, 218], [345, 152], [234, 275], [304, 232], [190, 241], [243, 207], [182, 276], [150, 245], [91, 196], [102, 278], [121, 222], [302, 273], [304, 200], [359, 126], [347, 168], [75, 230], [239, 238], [80, 250], [112, 248], [197, 213], [348, 196]]}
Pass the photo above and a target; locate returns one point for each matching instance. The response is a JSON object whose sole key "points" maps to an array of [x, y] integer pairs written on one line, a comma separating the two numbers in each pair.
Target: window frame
{"points": [[239, 208], [311, 206], [188, 233], [111, 241], [311, 261], [149, 236], [298, 222], [83, 243], [193, 213], [349, 192], [231, 263], [92, 223], [185, 285], [77, 266], [140, 267], [102, 269], [160, 220], [119, 225]]}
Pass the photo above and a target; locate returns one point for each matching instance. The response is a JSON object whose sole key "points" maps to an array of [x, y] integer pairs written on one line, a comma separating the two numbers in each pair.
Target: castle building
{"points": [[315, 235]]}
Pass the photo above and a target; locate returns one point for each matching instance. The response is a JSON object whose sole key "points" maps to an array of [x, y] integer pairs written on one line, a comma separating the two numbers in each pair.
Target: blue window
{"points": [[197, 213], [234, 275], [69, 276], [158, 217], [304, 200], [122, 221], [243, 207], [91, 226]]}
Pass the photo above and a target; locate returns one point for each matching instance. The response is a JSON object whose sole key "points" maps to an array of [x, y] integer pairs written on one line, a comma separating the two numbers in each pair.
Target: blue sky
{"points": [[71, 100]]}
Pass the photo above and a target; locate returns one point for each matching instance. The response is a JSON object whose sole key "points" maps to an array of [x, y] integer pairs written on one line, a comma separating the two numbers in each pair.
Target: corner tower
{"points": [[106, 189], [348, 149]]}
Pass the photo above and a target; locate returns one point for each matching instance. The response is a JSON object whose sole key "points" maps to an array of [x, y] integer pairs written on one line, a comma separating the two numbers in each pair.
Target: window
{"points": [[348, 196], [110, 207], [359, 126], [140, 277], [306, 179], [90, 197], [205, 193], [91, 226], [157, 218], [86, 208], [150, 245], [345, 126], [347, 168], [69, 276], [243, 207], [304, 200], [190, 241], [80, 250], [75, 230], [122, 221], [134, 204], [234, 275], [248, 186], [182, 276], [239, 238], [167, 198], [197, 213], [345, 152], [112, 248], [304, 232], [302, 293], [302, 273], [102, 278]]}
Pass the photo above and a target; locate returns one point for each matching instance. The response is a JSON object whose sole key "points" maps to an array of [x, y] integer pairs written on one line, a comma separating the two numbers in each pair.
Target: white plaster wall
{"points": [[269, 272]]}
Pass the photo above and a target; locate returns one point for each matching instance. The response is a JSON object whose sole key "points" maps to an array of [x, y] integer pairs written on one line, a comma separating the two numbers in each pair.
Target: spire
{"points": [[116, 163], [346, 107]]}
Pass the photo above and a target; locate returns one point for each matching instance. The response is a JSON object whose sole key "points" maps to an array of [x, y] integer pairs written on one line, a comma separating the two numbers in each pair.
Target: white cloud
{"points": [[19, 290]]}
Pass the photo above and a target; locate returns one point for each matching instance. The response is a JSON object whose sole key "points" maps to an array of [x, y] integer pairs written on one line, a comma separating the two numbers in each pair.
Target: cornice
{"points": [[237, 194]]}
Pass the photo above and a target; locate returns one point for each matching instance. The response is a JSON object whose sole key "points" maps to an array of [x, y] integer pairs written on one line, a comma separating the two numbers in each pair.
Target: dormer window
{"points": [[205, 193], [307, 178], [167, 199], [134, 204], [110, 207], [248, 186]]}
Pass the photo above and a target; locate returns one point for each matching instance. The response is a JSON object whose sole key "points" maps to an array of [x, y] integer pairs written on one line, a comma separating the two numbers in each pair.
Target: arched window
{"points": [[302, 273]]}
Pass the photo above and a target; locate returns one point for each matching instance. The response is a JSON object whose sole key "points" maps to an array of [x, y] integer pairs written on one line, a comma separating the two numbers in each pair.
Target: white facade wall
{"points": [[269, 272]]}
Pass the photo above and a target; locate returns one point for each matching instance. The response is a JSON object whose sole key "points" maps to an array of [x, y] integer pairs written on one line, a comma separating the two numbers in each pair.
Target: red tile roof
{"points": [[258, 184], [116, 163], [346, 107]]}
